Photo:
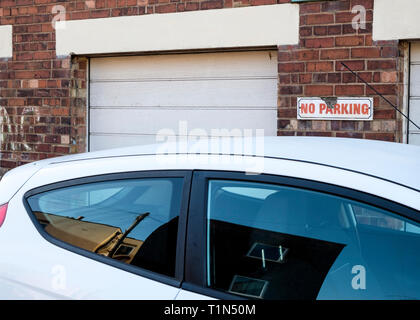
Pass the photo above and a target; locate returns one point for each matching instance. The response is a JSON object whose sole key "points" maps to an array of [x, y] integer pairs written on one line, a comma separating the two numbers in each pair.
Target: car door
{"points": [[113, 236], [273, 237]]}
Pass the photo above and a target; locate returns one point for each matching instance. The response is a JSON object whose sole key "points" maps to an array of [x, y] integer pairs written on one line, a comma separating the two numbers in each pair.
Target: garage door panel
{"points": [[415, 80], [414, 113], [415, 52], [231, 64], [137, 121], [414, 139], [133, 98], [414, 107], [215, 93]]}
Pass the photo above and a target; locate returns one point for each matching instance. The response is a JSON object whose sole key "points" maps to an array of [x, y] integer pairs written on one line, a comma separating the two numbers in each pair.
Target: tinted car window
{"points": [[276, 242], [134, 221]]}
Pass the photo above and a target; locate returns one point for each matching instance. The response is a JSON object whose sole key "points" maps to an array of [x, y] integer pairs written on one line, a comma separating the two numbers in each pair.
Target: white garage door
{"points": [[414, 111], [134, 98]]}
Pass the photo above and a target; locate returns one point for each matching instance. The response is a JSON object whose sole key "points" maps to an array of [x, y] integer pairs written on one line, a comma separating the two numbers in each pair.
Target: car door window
{"points": [[268, 241], [134, 221]]}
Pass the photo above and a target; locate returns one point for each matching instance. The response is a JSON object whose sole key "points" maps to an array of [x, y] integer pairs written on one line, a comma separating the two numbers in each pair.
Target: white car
{"points": [[288, 218]]}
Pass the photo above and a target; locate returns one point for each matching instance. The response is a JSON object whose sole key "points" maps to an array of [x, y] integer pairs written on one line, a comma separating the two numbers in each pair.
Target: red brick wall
{"points": [[313, 68], [44, 97]]}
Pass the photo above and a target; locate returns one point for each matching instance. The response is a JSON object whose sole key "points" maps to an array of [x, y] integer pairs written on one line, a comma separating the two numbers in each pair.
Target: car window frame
{"points": [[186, 175], [196, 250]]}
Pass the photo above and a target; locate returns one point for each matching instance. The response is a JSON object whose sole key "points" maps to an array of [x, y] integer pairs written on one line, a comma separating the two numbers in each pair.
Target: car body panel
{"points": [[289, 168], [13, 180], [387, 160], [56, 273]]}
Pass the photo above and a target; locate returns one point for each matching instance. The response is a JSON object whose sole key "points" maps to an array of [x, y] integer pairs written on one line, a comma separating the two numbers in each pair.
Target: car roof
{"points": [[396, 162]]}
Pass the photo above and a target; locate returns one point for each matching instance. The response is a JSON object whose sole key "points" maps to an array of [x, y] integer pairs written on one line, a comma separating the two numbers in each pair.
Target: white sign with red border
{"points": [[331, 109]]}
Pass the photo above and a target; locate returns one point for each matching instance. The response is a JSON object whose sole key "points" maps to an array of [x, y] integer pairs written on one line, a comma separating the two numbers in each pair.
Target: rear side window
{"points": [[134, 221], [268, 241]]}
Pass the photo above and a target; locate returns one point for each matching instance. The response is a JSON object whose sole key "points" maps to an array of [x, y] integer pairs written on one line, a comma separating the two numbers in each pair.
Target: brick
{"points": [[283, 124], [285, 133], [60, 149], [90, 4], [384, 113], [348, 125], [61, 130], [349, 41], [290, 90], [100, 4], [283, 56], [42, 129], [100, 14], [319, 77], [334, 77], [61, 73], [43, 147], [305, 31], [381, 65], [15, 102], [344, 17], [305, 78], [384, 89], [368, 40], [353, 65], [301, 55], [324, 66], [389, 76], [342, 90], [39, 74], [319, 90], [284, 79], [291, 67], [334, 30], [333, 54], [380, 136], [349, 78], [368, 4], [287, 113], [52, 139], [367, 76], [333, 6], [167, 8], [357, 135], [42, 55], [7, 164], [191, 6], [318, 134], [321, 30], [33, 138], [80, 15], [305, 125], [259, 2], [319, 125], [310, 8], [389, 52], [316, 19], [319, 43], [365, 53]]}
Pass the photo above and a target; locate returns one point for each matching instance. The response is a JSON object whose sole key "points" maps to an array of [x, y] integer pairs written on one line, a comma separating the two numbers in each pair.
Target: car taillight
{"points": [[3, 210]]}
